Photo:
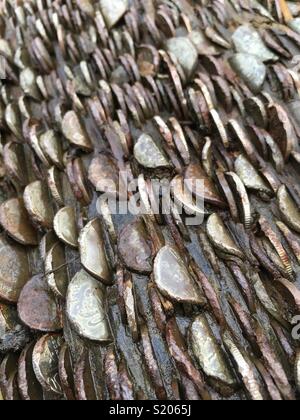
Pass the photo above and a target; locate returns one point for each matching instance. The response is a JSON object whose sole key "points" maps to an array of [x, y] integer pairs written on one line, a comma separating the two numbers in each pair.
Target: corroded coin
{"points": [[92, 251], [14, 269], [45, 362], [14, 219], [37, 307], [8, 368], [86, 308]]}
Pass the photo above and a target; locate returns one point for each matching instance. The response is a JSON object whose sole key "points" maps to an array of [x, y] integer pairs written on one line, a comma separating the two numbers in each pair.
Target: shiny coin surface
{"points": [[45, 362], [65, 226], [92, 251], [86, 308], [173, 279]]}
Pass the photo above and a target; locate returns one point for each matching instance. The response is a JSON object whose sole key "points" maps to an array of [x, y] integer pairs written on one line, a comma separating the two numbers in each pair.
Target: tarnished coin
{"points": [[209, 192], [135, 247], [84, 381], [46, 243], [103, 174], [86, 308], [38, 204], [14, 219], [65, 226], [185, 52], [55, 184], [288, 209], [113, 11], [74, 131], [220, 237], [205, 345], [45, 362], [247, 40], [8, 368], [52, 148], [148, 154], [250, 69], [173, 279], [56, 270], [12, 389], [13, 335], [37, 307], [14, 269], [30, 388], [14, 161], [92, 251], [66, 372]]}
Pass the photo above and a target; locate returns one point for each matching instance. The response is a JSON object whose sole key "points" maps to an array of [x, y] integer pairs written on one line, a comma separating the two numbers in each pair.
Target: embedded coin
{"points": [[45, 362], [37, 307], [86, 308], [38, 204], [14, 219], [92, 251], [65, 226], [14, 269], [173, 279]]}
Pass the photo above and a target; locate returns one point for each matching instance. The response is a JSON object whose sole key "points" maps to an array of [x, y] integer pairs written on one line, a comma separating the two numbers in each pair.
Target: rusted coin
{"points": [[37, 307], [14, 269], [14, 219], [92, 251], [38, 204], [45, 359], [86, 308], [65, 226], [30, 388]]}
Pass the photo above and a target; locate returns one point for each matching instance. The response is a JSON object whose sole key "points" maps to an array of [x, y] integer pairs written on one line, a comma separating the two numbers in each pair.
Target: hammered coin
{"points": [[45, 362], [37, 306], [148, 154], [65, 226], [38, 204], [15, 221], [86, 309], [14, 269], [74, 131], [56, 270], [92, 251], [134, 246], [30, 388], [173, 279]]}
